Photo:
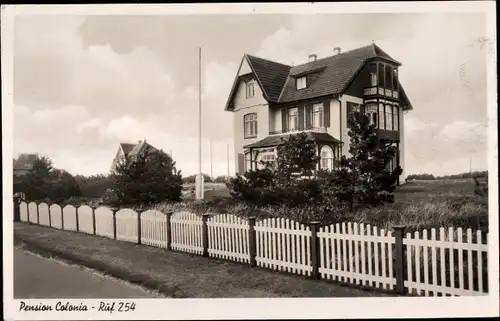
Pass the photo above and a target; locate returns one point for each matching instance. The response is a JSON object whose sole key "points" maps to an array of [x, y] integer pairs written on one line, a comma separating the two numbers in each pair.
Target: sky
{"points": [[84, 84]]}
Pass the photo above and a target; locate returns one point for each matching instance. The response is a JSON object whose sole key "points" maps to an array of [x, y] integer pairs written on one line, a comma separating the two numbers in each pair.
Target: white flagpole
{"points": [[199, 186]]}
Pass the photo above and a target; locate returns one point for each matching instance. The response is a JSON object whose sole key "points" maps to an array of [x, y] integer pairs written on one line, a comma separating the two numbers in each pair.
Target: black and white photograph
{"points": [[164, 153]]}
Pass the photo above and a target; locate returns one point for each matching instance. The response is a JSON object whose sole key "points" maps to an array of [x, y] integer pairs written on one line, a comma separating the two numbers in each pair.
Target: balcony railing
{"points": [[293, 131], [381, 91]]}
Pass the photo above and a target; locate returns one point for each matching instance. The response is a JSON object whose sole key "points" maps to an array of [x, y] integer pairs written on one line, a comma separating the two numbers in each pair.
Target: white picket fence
{"points": [[56, 218], [357, 254], [126, 225], [154, 228], [440, 265], [283, 245], [69, 214], [187, 232], [85, 220], [43, 212], [32, 212], [23, 209], [104, 222], [446, 253], [228, 238]]}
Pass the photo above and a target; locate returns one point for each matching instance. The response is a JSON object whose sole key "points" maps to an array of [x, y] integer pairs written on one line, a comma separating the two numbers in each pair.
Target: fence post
{"points": [[399, 265], [62, 218], [17, 209], [77, 219], [204, 233], [114, 222], [37, 214], [314, 250], [94, 230], [169, 230], [50, 215], [252, 241], [139, 226]]}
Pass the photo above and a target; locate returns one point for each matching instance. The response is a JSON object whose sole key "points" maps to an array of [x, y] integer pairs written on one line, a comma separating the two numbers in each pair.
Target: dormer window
{"points": [[250, 88], [301, 82]]}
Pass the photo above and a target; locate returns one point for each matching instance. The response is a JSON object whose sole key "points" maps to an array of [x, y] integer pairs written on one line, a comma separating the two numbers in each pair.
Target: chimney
{"points": [[312, 57], [336, 50]]}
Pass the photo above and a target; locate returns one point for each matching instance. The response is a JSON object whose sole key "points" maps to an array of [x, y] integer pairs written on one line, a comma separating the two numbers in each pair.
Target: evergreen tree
{"points": [[149, 177], [364, 176]]}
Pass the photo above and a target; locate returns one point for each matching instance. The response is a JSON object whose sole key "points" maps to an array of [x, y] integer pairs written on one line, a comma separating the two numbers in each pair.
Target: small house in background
{"points": [[126, 150], [24, 164]]}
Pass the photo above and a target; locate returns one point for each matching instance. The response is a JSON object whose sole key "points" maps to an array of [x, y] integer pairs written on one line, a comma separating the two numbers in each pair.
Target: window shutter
{"points": [[308, 116], [284, 114], [301, 117], [326, 112]]}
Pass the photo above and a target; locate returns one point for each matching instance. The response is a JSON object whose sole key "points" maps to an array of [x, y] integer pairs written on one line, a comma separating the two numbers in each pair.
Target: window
{"points": [[248, 163], [250, 123], [371, 112], [373, 79], [317, 116], [395, 112], [388, 117], [395, 79], [381, 119], [301, 83], [326, 158], [268, 157], [293, 119], [250, 88]]}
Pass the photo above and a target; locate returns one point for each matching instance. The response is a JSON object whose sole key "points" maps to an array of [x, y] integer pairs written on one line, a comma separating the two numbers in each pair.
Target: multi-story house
{"points": [[271, 100], [126, 150], [24, 164]]}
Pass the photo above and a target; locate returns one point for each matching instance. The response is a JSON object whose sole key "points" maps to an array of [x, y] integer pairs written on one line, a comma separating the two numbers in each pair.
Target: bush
{"points": [[361, 180], [192, 179], [94, 186], [149, 177]]}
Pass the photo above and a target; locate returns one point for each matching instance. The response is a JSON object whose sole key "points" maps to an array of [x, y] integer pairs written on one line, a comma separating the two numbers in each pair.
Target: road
{"points": [[39, 277]]}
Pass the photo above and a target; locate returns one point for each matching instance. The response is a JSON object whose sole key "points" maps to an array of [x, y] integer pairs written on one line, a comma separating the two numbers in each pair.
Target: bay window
{"points": [[371, 112], [395, 113], [293, 119], [317, 116], [381, 119], [388, 117]]}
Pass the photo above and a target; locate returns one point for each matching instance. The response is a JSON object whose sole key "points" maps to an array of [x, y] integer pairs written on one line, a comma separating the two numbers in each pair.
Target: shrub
{"points": [[149, 177], [192, 179]]}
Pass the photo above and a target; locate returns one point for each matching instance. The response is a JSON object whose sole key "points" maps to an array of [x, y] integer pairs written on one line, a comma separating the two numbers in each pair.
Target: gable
{"points": [[244, 68]]}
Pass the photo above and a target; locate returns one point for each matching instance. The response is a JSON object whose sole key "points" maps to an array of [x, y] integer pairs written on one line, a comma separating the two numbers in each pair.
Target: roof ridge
{"points": [[279, 63], [337, 55]]}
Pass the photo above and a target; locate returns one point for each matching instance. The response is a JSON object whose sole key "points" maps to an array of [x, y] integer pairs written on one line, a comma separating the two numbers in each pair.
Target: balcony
{"points": [[388, 93], [295, 131]]}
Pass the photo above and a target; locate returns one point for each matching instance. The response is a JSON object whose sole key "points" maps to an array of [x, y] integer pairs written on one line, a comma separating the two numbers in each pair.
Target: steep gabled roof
{"points": [[334, 74], [270, 76], [338, 71], [25, 161], [127, 148]]}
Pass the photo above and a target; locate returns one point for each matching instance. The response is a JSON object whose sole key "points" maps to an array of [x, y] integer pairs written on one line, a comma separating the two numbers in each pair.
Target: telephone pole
{"points": [[199, 185]]}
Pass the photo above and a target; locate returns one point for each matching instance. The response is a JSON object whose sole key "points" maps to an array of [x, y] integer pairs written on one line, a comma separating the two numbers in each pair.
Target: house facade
{"points": [[271, 101], [126, 150], [24, 164]]}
